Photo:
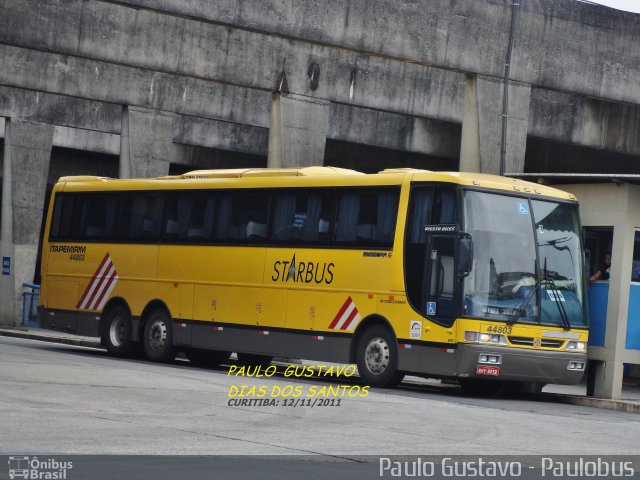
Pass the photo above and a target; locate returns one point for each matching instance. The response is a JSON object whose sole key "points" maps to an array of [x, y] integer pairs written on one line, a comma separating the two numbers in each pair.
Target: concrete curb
{"points": [[30, 335], [617, 405], [608, 404]]}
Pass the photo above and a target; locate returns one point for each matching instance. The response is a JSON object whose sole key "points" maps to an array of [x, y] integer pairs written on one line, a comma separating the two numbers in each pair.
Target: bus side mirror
{"points": [[465, 256]]}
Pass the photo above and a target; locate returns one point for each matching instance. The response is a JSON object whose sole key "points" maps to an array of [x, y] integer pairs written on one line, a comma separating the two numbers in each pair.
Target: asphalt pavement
{"points": [[569, 394]]}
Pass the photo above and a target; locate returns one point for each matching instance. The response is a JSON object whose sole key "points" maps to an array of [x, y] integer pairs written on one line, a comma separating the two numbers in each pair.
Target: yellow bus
{"points": [[445, 275]]}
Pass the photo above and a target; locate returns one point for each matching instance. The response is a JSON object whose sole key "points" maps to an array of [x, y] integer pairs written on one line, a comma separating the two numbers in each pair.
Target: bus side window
{"points": [[141, 217], [366, 217], [97, 216], [66, 212], [188, 216], [301, 216], [200, 224], [242, 217]]}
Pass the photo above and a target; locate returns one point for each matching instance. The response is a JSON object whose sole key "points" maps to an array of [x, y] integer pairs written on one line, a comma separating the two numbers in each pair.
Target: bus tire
{"points": [[377, 358], [207, 358], [157, 339], [254, 360], [117, 333]]}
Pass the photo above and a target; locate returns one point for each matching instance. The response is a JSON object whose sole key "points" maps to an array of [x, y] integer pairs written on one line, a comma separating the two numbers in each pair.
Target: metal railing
{"points": [[30, 301]]}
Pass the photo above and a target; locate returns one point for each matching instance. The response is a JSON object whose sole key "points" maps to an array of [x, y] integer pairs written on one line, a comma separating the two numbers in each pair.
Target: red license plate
{"points": [[487, 370]]}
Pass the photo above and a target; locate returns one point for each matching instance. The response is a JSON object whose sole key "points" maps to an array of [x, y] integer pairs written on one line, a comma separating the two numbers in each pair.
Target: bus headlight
{"points": [[482, 337], [574, 346]]}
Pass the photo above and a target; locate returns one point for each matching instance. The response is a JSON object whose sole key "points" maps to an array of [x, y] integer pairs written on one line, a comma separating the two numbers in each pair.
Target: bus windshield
{"points": [[506, 267]]}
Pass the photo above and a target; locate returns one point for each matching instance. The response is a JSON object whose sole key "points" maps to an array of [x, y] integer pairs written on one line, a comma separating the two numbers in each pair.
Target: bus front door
{"points": [[439, 282]]}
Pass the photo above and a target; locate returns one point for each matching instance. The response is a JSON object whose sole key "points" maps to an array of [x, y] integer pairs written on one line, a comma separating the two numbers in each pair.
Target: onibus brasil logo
{"points": [[35, 469]]}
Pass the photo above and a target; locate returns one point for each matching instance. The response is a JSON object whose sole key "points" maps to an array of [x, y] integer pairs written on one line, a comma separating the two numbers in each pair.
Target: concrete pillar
{"points": [[125, 159], [27, 155], [298, 131], [147, 145], [608, 380], [481, 143]]}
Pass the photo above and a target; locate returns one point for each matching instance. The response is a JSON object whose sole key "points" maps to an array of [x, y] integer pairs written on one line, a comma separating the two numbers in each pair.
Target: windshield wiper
{"points": [[547, 280], [566, 324], [521, 310]]}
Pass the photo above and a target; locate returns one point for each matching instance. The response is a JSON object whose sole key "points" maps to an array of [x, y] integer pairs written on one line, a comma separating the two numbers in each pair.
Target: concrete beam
{"points": [[70, 111], [346, 123], [394, 131], [88, 140], [117, 34], [590, 122], [221, 134], [123, 85], [250, 106], [481, 144], [298, 131], [570, 46]]}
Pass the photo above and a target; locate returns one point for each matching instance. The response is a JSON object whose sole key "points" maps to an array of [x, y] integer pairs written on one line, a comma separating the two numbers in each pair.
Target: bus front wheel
{"points": [[377, 358], [157, 339], [117, 334]]}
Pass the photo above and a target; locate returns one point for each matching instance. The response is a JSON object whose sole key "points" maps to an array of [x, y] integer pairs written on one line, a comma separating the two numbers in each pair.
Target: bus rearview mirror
{"points": [[465, 255]]}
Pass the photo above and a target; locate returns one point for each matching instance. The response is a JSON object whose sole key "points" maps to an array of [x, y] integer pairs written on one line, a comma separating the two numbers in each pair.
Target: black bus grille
{"points": [[528, 342]]}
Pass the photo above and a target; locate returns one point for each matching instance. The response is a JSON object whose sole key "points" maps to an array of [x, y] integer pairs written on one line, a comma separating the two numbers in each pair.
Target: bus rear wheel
{"points": [[157, 339], [117, 333], [377, 358], [207, 358]]}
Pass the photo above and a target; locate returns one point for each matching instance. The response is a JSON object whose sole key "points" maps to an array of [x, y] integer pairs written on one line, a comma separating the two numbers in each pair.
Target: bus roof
{"points": [[307, 176]]}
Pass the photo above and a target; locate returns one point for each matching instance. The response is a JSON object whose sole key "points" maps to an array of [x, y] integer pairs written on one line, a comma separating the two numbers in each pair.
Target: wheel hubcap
{"points": [[116, 332], [376, 356], [157, 335]]}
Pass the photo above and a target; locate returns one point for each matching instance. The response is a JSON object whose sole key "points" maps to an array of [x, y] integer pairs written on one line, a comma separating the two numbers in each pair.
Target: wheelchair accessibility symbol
{"points": [[523, 208], [431, 308]]}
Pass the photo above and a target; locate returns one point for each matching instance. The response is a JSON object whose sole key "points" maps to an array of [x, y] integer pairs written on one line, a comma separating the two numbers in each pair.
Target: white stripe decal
{"points": [[353, 322], [109, 290], [104, 283], [345, 316], [95, 283]]}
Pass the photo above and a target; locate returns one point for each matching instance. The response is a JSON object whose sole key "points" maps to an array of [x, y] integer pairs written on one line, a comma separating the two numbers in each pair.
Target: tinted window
{"points": [[141, 216], [242, 217], [65, 217], [84, 216], [301, 217], [97, 218], [189, 216], [366, 217]]}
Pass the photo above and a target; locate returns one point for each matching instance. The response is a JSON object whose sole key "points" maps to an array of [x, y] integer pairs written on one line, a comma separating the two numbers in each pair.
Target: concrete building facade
{"points": [[139, 88]]}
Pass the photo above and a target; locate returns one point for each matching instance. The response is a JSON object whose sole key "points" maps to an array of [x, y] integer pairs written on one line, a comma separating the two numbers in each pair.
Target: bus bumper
{"points": [[520, 365]]}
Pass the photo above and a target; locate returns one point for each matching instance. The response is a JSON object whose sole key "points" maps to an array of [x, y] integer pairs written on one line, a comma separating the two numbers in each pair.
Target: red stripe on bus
{"points": [[86, 291], [340, 313], [99, 283], [351, 316], [110, 281]]}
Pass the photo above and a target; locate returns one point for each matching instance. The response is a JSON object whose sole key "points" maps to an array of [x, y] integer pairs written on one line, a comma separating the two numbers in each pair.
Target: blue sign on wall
{"points": [[6, 265]]}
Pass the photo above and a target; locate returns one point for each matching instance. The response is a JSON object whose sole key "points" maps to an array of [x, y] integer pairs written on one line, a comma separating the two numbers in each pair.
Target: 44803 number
{"points": [[499, 329]]}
